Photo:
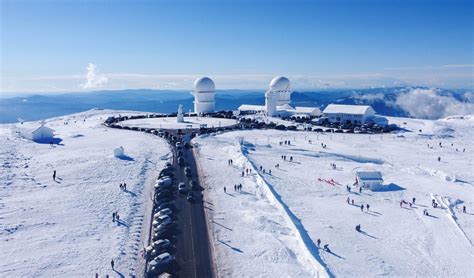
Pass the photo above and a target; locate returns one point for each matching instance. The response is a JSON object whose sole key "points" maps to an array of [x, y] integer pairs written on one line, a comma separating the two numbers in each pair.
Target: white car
{"points": [[162, 221], [182, 187], [163, 212]]}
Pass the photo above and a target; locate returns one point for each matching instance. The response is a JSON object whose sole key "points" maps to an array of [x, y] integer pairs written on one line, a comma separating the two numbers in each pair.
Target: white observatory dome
{"points": [[280, 83], [204, 84]]}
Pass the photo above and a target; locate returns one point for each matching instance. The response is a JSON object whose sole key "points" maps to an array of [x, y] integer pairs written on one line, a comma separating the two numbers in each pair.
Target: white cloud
{"points": [[429, 104], [94, 79]]}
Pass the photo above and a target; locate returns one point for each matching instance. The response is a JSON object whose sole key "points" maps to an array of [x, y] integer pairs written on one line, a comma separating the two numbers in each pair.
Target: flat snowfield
{"points": [[64, 228], [171, 122], [271, 226]]}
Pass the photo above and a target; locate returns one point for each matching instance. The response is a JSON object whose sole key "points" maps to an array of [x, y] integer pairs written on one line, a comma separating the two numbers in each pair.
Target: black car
{"points": [[191, 197], [181, 161], [187, 171], [194, 185]]}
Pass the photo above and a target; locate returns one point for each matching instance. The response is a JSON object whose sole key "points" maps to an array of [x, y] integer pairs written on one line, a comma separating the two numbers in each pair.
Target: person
{"points": [[326, 248], [358, 227], [243, 173], [112, 263], [318, 242], [113, 217], [425, 212], [125, 186], [235, 187], [291, 158], [117, 216], [225, 190], [121, 186], [410, 204], [261, 168], [464, 209], [270, 172], [413, 200], [54, 175], [401, 203], [348, 200], [264, 171], [439, 158], [360, 189], [367, 206], [96, 275], [352, 201], [361, 207]]}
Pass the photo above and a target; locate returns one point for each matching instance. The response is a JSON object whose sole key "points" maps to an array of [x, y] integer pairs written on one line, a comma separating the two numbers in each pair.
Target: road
{"points": [[192, 254]]}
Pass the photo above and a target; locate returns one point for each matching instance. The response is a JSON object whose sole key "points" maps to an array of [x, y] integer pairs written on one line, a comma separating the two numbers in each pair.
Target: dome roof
{"points": [[280, 83], [204, 84]]}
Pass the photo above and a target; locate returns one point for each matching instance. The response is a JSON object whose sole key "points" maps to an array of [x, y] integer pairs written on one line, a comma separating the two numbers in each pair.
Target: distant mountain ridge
{"points": [[36, 107]]}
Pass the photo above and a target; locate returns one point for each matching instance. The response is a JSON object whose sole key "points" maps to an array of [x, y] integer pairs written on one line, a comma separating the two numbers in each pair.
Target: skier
{"points": [[112, 263], [54, 175], [348, 200], [225, 190], [318, 242], [367, 206], [360, 189], [464, 209], [358, 227], [113, 217], [425, 212], [361, 207], [270, 172], [352, 201], [117, 216], [235, 187], [291, 158], [121, 186], [439, 158], [413, 200], [401, 203], [125, 186]]}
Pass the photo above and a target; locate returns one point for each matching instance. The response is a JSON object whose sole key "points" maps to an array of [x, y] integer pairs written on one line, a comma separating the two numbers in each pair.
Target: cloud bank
{"points": [[93, 78], [429, 104]]}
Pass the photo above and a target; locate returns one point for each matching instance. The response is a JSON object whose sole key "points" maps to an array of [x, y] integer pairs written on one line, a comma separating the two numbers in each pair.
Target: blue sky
{"points": [[85, 45]]}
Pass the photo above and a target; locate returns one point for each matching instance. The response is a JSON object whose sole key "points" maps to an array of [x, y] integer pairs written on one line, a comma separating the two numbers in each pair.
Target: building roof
{"points": [[308, 110], [204, 84], [249, 107], [42, 127], [370, 176], [280, 83], [285, 107], [348, 109]]}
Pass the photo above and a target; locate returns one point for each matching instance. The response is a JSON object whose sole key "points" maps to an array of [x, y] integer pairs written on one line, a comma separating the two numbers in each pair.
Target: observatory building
{"points": [[281, 86], [277, 102], [204, 92]]}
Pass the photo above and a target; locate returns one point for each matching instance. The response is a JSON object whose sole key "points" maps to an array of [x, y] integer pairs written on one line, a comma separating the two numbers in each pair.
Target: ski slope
{"points": [[270, 229], [64, 228]]}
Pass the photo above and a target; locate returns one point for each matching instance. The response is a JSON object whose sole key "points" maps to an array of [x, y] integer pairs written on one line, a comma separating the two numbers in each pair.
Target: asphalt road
{"points": [[192, 254]]}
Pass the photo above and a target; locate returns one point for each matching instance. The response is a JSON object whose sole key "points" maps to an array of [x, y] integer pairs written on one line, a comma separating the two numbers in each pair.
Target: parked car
{"points": [[194, 185], [182, 187], [162, 221], [191, 197], [187, 171], [165, 211], [161, 244]]}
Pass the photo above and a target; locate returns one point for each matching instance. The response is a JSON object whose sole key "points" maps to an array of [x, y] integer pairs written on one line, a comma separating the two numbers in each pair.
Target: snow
{"points": [[65, 228], [271, 227], [171, 122]]}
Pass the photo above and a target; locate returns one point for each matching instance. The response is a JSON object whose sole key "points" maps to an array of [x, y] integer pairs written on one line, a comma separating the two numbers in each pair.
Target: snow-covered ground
{"points": [[271, 227], [64, 228], [171, 123]]}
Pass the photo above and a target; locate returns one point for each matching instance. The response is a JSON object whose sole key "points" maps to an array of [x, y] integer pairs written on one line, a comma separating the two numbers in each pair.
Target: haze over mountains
{"points": [[417, 102]]}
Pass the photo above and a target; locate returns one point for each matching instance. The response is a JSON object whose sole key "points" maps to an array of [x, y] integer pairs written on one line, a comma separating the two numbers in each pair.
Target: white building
{"points": [[277, 101], [204, 92], [356, 114], [371, 180], [281, 86], [39, 134]]}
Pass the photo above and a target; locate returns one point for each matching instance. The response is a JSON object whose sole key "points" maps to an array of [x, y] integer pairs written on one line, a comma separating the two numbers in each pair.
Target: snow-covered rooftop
{"points": [[347, 109], [372, 176], [250, 107]]}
